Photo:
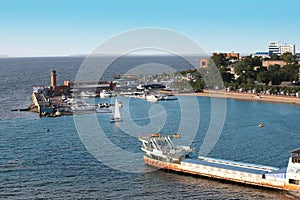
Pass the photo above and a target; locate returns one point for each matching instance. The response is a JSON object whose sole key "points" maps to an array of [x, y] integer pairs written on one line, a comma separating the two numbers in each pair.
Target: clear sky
{"points": [[64, 27]]}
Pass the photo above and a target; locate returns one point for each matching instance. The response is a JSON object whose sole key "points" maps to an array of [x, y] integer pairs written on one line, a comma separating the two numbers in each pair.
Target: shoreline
{"points": [[246, 97]]}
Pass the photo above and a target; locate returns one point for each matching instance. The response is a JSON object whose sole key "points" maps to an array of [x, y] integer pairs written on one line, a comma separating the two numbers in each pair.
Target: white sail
{"points": [[116, 116], [117, 111]]}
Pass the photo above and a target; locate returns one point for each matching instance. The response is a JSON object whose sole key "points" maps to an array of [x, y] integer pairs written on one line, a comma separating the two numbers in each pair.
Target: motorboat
{"points": [[152, 98], [103, 110], [167, 97], [106, 94], [80, 106], [87, 94]]}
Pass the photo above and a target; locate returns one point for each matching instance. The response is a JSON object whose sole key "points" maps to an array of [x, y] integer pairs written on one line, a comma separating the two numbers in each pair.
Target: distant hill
{"points": [[78, 55]]}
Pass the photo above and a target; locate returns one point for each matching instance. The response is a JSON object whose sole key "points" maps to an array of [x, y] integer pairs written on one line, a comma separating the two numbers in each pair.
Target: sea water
{"points": [[47, 158]]}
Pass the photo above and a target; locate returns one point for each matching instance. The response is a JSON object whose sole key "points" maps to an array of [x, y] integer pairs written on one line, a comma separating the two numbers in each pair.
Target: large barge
{"points": [[162, 153]]}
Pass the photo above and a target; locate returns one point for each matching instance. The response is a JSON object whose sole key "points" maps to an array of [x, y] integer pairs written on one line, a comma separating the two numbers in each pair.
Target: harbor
{"points": [[57, 100], [42, 155], [69, 98]]}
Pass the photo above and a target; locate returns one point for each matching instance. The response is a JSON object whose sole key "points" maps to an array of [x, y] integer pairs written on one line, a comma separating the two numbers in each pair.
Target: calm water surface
{"points": [[36, 163]]}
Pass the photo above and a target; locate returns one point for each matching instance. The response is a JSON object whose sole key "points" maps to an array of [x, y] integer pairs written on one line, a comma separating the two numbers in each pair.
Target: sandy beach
{"points": [[247, 97]]}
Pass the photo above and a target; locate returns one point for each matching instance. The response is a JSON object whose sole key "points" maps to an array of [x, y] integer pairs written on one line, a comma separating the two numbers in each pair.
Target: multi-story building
{"points": [[287, 48], [279, 49], [274, 48]]}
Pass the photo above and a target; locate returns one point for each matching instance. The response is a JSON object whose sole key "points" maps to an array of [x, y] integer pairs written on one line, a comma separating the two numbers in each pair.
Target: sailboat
{"points": [[116, 116]]}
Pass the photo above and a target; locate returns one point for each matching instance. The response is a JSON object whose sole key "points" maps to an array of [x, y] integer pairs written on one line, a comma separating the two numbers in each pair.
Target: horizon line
{"points": [[85, 55]]}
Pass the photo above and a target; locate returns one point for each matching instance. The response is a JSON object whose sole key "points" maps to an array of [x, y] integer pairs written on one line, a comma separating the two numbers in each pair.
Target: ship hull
{"points": [[162, 153], [162, 165], [219, 174]]}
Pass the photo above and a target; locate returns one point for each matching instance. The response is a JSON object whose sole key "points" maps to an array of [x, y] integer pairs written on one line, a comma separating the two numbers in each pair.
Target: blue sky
{"points": [[36, 28]]}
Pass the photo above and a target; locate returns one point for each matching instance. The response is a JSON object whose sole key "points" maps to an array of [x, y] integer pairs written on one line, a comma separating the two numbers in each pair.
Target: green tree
{"points": [[275, 74], [226, 76], [290, 72], [288, 57], [219, 60], [263, 77], [255, 61], [274, 57], [211, 77], [244, 69], [197, 85]]}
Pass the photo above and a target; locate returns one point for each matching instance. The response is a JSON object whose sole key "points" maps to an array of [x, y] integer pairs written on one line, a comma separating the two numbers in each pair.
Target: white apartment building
{"points": [[278, 49], [274, 48], [287, 48]]}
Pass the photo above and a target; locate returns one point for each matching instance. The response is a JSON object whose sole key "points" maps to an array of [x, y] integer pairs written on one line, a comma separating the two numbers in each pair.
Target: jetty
{"points": [[50, 101]]}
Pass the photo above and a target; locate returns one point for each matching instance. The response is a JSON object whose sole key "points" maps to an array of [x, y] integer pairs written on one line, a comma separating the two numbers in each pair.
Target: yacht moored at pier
{"points": [[162, 153], [106, 94], [83, 107], [152, 98]]}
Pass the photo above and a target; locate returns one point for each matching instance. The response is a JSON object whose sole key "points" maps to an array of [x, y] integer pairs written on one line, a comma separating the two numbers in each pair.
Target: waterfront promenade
{"points": [[247, 97]]}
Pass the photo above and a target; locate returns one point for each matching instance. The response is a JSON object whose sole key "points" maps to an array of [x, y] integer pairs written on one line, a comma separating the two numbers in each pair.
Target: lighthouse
{"points": [[53, 78]]}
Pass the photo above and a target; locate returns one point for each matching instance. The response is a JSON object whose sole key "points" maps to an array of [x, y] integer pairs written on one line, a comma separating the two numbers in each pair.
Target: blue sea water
{"points": [[46, 158]]}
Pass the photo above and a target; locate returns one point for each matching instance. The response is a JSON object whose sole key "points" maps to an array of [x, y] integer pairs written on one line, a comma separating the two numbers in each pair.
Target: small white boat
{"points": [[116, 116], [126, 94], [57, 113], [103, 110], [106, 94], [83, 107], [103, 105], [167, 97], [87, 94], [152, 98]]}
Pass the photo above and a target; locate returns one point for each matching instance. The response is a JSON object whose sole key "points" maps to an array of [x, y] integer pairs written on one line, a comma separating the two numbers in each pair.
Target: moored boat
{"points": [[167, 97], [83, 107], [160, 152], [152, 98], [103, 110], [87, 94], [106, 94]]}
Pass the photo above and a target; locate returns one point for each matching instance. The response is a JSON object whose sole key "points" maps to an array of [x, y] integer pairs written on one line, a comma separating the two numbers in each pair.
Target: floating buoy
{"points": [[261, 125], [155, 135]]}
